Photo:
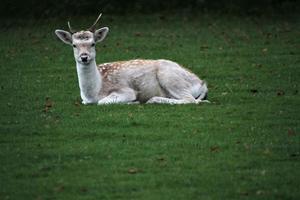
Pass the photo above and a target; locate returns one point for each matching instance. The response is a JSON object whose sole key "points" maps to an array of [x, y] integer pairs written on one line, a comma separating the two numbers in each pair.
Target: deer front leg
{"points": [[123, 96], [87, 100], [164, 100]]}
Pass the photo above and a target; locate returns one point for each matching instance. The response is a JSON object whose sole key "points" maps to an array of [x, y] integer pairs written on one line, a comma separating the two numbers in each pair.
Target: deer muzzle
{"points": [[84, 57]]}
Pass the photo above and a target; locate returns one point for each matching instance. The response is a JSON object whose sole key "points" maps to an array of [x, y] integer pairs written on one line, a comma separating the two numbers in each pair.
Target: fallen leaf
{"points": [[244, 193], [291, 132], [295, 154], [269, 35], [258, 65], [214, 148], [247, 147], [48, 104], [204, 47], [133, 170], [59, 188], [137, 34], [161, 158], [259, 192], [295, 92], [83, 189], [77, 103], [280, 93], [267, 151], [254, 91]]}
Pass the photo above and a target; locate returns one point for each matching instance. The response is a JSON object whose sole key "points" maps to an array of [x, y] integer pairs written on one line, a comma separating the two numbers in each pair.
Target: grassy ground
{"points": [[245, 144]]}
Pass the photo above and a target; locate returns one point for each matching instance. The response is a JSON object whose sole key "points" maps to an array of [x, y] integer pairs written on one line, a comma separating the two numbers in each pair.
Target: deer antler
{"points": [[93, 27], [71, 29]]}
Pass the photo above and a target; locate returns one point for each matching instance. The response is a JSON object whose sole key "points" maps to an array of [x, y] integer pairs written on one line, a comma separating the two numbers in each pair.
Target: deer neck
{"points": [[90, 82]]}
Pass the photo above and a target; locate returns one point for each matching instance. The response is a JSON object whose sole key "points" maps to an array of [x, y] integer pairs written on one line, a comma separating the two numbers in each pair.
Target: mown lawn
{"points": [[244, 145]]}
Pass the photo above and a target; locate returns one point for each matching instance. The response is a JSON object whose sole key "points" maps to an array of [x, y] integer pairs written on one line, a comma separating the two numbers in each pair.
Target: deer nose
{"points": [[84, 57]]}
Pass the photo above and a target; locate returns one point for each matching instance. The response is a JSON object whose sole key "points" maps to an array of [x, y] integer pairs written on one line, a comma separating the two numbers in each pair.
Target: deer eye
{"points": [[93, 44], [74, 45]]}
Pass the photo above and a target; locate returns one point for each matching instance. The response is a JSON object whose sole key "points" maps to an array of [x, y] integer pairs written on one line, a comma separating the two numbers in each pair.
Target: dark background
{"points": [[45, 9]]}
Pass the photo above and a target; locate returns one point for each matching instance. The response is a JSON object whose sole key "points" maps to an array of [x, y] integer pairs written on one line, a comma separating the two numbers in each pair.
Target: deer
{"points": [[148, 81]]}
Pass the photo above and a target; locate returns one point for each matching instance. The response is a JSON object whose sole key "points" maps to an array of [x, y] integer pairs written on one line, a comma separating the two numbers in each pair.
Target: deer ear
{"points": [[64, 36], [100, 34]]}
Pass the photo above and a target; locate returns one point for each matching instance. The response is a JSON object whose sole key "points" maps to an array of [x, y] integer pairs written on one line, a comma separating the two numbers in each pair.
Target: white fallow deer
{"points": [[133, 81]]}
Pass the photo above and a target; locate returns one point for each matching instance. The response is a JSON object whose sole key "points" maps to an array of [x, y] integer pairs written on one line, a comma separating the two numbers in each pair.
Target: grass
{"points": [[244, 145]]}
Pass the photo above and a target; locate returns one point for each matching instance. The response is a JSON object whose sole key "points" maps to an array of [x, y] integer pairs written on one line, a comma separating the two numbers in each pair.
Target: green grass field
{"points": [[244, 145]]}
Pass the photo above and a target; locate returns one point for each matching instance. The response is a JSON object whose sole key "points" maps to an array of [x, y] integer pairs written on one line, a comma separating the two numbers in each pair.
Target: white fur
{"points": [[90, 82], [150, 81]]}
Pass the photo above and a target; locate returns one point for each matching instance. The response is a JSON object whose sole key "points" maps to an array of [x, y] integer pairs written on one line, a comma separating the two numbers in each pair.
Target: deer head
{"points": [[83, 42]]}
